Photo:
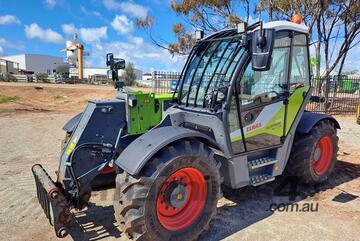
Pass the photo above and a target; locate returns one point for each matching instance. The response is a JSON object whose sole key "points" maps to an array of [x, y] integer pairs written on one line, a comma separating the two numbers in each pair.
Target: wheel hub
{"points": [[181, 199], [317, 153], [175, 194]]}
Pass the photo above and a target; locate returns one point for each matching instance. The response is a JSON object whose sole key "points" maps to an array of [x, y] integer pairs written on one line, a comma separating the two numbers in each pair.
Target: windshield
{"points": [[211, 67]]}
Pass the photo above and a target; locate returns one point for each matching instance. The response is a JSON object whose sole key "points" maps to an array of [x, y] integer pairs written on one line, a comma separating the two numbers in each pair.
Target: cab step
{"points": [[261, 179], [261, 162]]}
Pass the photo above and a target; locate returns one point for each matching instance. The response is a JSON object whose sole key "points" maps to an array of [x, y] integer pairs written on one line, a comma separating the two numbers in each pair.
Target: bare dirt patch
{"points": [[27, 137], [59, 98]]}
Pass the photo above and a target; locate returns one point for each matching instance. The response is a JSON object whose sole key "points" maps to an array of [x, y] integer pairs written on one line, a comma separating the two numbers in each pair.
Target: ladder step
{"points": [[253, 164], [261, 179]]}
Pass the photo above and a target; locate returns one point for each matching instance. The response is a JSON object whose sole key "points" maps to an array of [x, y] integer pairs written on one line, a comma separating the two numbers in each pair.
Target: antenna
{"points": [[260, 15]]}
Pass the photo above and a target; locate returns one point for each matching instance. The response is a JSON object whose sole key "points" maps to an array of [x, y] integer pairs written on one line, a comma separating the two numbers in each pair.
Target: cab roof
{"points": [[277, 25], [285, 25]]}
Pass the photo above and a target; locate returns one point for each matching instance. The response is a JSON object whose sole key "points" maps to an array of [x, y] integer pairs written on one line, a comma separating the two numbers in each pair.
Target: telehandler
{"points": [[236, 118]]}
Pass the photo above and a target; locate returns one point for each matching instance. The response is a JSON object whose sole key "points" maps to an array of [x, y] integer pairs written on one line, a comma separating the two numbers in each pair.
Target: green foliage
{"points": [[129, 75], [41, 77], [6, 99], [332, 23], [7, 78]]}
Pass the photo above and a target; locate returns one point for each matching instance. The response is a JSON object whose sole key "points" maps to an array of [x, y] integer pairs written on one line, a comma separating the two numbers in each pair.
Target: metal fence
{"points": [[341, 95], [164, 82]]}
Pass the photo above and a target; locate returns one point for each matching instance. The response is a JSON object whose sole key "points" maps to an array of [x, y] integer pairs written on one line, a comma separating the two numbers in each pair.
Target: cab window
{"points": [[267, 85], [299, 73]]}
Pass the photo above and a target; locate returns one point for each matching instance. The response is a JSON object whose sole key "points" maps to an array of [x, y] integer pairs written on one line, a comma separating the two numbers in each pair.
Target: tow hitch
{"points": [[52, 201]]}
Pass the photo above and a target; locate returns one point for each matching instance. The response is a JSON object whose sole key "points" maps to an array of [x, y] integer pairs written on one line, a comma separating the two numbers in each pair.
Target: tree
{"points": [[340, 27], [129, 75], [42, 77], [334, 23], [310, 10], [208, 15]]}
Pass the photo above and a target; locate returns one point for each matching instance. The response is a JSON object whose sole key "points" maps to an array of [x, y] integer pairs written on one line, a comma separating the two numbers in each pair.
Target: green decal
{"points": [[276, 124]]}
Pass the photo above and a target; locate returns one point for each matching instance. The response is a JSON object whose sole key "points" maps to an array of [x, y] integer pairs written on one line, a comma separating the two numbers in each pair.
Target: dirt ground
{"points": [[30, 131]]}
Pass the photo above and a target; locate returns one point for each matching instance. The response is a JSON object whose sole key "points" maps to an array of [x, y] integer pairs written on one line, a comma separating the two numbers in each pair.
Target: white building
{"points": [[8, 67], [90, 71], [36, 63], [146, 80]]}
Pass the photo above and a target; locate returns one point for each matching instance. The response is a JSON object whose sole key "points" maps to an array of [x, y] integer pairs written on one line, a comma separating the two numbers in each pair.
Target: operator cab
{"points": [[255, 81]]}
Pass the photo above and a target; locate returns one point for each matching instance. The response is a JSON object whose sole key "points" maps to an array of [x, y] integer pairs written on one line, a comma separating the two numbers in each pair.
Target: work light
{"points": [[241, 27], [199, 34]]}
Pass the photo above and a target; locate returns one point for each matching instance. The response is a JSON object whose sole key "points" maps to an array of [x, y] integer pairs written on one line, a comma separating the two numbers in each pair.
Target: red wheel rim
{"points": [[107, 170], [181, 199], [323, 155]]}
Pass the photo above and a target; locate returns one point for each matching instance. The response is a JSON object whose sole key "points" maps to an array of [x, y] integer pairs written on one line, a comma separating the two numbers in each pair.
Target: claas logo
{"points": [[253, 127]]}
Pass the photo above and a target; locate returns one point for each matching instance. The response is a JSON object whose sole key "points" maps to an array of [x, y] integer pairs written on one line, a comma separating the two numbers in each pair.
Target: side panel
{"points": [[135, 156], [263, 126], [207, 123], [268, 125], [296, 100], [92, 144], [235, 172], [144, 110]]}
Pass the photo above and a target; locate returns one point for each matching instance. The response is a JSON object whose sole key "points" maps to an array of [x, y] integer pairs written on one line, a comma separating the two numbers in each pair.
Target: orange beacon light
{"points": [[296, 18]]}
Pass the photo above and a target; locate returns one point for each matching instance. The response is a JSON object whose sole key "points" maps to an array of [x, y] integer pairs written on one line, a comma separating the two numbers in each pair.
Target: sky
{"points": [[42, 26], [103, 26]]}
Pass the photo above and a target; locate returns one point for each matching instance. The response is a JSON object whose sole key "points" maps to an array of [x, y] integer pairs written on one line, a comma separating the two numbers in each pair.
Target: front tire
{"points": [[173, 198], [313, 155]]}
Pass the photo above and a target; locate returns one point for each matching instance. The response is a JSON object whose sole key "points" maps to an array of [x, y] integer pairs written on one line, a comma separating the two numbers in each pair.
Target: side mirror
{"points": [[109, 59], [119, 64], [114, 63], [262, 45]]}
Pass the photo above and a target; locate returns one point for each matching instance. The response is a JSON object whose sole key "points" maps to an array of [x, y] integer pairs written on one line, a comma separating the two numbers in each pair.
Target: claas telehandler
{"points": [[236, 118]]}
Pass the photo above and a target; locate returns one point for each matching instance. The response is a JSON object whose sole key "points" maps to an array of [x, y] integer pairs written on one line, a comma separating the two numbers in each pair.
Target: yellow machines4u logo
{"points": [[71, 146]]}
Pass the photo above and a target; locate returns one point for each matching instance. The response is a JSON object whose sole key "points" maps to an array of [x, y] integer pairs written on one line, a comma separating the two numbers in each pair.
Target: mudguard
{"points": [[135, 156], [309, 120], [72, 123]]}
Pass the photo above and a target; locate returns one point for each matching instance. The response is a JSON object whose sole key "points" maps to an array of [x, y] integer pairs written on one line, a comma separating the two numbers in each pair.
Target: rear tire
{"points": [[313, 155], [138, 199]]}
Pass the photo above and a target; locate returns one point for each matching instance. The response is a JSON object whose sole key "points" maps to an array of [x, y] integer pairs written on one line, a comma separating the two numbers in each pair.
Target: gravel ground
{"points": [[243, 214]]}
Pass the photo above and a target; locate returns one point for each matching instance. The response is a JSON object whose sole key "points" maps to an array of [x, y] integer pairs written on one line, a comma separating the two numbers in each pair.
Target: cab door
{"points": [[299, 78], [261, 101]]}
